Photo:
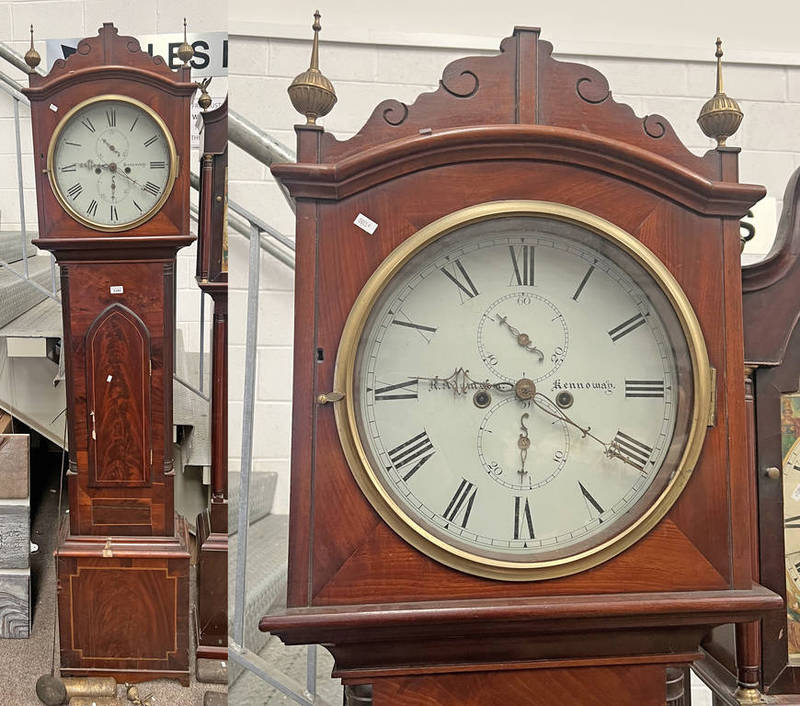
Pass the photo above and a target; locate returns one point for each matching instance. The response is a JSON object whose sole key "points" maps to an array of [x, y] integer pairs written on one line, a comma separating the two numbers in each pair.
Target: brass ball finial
{"points": [[32, 57], [185, 51], [721, 116], [311, 93], [204, 101]]}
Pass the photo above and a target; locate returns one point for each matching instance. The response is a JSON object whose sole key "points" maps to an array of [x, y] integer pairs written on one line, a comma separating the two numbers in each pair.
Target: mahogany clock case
{"points": [[211, 608], [125, 553], [772, 349], [519, 125]]}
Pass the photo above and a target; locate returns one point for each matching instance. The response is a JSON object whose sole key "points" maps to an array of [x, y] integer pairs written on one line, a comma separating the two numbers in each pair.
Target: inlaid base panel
{"points": [[623, 685], [124, 607], [15, 604]]}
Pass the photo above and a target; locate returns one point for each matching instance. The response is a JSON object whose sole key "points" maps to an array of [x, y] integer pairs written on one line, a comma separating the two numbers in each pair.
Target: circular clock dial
{"points": [[111, 163], [522, 391], [791, 524]]}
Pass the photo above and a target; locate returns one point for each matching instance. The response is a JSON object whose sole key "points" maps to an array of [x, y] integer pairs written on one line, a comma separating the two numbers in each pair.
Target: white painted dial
{"points": [[791, 516], [522, 389], [112, 163]]}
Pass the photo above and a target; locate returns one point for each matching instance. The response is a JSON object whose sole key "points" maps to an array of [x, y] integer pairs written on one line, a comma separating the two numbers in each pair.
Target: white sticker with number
{"points": [[117, 289], [366, 224]]}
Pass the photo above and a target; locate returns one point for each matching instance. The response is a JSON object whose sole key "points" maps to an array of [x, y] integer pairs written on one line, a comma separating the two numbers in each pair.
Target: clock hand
{"points": [[523, 443], [523, 339], [611, 450]]}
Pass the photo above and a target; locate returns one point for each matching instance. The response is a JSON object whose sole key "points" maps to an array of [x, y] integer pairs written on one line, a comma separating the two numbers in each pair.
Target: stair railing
{"points": [[11, 88]]}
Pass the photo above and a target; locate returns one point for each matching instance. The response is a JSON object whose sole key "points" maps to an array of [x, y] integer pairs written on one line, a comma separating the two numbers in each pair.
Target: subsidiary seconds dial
{"points": [[111, 163], [519, 390]]}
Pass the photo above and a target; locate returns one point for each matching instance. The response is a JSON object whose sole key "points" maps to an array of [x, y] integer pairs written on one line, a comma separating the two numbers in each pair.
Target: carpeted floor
{"points": [[22, 662]]}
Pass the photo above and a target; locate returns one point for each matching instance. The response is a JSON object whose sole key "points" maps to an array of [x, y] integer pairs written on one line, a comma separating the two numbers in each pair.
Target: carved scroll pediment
{"points": [[109, 49], [770, 287], [522, 84]]}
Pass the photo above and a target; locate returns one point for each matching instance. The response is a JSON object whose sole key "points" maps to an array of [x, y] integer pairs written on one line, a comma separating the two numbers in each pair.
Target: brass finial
{"points": [[721, 116], [32, 57], [204, 101], [312, 93], [185, 51]]}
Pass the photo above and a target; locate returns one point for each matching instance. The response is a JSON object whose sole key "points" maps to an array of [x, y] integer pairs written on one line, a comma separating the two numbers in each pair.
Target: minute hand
{"points": [[611, 451]]}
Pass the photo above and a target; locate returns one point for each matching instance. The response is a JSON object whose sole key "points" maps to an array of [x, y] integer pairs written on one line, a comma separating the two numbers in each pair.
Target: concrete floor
{"points": [[22, 662]]}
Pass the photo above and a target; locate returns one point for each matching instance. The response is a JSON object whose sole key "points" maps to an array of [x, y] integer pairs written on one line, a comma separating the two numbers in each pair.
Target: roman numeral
{"points": [[111, 117], [590, 500], [523, 266], [418, 448], [114, 216], [401, 391], [626, 327], [644, 388], [635, 452], [92, 210], [149, 142], [522, 519], [151, 188], [583, 283], [461, 502], [460, 278], [133, 124], [75, 190], [137, 205], [411, 324], [158, 165], [69, 168], [792, 522], [88, 124]]}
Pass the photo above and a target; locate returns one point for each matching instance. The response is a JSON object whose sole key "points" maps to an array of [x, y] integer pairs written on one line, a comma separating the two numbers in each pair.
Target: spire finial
{"points": [[185, 51], [721, 116], [204, 101], [32, 57], [311, 93], [315, 47]]}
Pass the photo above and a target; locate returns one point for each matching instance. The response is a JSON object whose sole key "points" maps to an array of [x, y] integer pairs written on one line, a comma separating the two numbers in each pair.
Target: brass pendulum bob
{"points": [[51, 690]]}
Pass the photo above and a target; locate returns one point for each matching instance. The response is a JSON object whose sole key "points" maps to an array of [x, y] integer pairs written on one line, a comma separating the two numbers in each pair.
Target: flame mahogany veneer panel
{"points": [[120, 336]]}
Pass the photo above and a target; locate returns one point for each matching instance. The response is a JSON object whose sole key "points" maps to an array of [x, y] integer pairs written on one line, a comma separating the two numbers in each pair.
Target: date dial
{"points": [[520, 447]]}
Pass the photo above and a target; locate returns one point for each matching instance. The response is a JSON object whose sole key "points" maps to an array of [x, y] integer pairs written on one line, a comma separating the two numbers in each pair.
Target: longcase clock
{"points": [[211, 610], [519, 459], [111, 146]]}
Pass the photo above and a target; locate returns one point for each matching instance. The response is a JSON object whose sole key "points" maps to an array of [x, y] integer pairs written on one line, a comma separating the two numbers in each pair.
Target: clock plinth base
{"points": [[211, 604], [124, 606]]}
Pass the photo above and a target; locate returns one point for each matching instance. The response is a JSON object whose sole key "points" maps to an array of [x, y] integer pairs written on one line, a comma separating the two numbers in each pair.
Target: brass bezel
{"points": [[173, 164], [394, 515]]}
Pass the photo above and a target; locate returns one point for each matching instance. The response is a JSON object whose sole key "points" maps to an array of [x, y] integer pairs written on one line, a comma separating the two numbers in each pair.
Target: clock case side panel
{"points": [[343, 546]]}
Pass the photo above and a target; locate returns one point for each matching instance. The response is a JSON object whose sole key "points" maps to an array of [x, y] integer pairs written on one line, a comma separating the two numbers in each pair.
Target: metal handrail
{"points": [[261, 146]]}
